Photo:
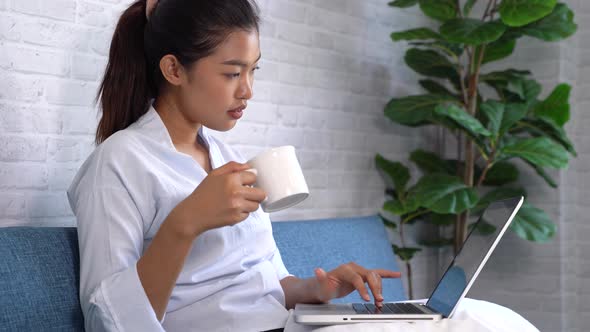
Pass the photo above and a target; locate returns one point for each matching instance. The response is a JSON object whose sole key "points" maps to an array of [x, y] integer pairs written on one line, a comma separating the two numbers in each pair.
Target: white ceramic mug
{"points": [[279, 174]]}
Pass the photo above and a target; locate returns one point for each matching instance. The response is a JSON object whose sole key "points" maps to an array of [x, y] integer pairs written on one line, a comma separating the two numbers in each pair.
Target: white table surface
{"points": [[471, 315]]}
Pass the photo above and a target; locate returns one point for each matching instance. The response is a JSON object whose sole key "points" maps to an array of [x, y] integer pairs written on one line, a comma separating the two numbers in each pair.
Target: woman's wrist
{"points": [[183, 223]]}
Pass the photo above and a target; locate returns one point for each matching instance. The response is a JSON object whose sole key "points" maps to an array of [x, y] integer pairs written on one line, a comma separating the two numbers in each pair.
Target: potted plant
{"points": [[492, 130]]}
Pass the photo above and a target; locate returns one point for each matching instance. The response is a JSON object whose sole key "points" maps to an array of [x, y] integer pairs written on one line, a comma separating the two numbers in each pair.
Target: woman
{"points": [[171, 236]]}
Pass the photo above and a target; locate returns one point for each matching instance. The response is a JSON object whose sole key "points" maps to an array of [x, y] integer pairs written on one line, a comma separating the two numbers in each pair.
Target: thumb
{"points": [[321, 275]]}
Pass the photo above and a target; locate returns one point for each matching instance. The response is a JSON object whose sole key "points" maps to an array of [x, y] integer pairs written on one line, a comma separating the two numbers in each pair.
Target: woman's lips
{"points": [[236, 113]]}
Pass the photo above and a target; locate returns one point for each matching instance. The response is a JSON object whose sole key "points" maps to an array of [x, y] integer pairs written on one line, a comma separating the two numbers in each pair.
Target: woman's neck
{"points": [[182, 131]]}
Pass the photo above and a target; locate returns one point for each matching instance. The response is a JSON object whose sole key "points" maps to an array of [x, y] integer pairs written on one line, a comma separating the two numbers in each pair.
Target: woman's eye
{"points": [[236, 75]]}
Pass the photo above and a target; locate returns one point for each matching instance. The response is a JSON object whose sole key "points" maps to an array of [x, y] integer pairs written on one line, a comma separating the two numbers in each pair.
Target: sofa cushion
{"points": [[39, 279], [328, 243]]}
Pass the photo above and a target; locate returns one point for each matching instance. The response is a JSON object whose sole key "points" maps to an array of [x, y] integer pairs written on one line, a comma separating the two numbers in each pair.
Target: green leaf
{"points": [[556, 105], [496, 195], [516, 13], [414, 110], [504, 75], [472, 31], [468, 6], [406, 253], [387, 222], [553, 27], [430, 63], [531, 90], [540, 151], [543, 174], [512, 114], [451, 49], [533, 224], [501, 117], [435, 87], [429, 162], [462, 118], [498, 50], [547, 127], [415, 34], [516, 86], [443, 194], [395, 207], [403, 3], [494, 113], [397, 174], [441, 10], [500, 174], [482, 227]]}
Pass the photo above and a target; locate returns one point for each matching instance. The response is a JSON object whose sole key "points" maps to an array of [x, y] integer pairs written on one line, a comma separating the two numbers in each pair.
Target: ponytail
{"points": [[125, 90]]}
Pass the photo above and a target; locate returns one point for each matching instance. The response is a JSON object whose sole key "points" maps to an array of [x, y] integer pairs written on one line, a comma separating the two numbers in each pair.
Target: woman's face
{"points": [[221, 82]]}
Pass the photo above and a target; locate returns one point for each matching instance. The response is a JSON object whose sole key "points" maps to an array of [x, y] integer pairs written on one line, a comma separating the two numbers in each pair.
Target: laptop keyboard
{"points": [[388, 308]]}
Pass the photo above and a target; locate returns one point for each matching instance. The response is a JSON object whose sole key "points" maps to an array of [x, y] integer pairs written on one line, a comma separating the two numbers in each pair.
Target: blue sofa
{"points": [[39, 266]]}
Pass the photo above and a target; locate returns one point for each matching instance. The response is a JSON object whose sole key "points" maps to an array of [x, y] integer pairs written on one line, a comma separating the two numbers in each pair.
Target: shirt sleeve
{"points": [[279, 266], [110, 236]]}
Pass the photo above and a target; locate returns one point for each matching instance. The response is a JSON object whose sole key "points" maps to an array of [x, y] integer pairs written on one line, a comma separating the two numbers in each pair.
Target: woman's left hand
{"points": [[349, 277]]}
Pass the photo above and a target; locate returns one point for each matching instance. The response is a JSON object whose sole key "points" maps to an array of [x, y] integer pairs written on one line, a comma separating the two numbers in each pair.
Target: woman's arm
{"points": [[300, 291], [223, 198], [159, 267]]}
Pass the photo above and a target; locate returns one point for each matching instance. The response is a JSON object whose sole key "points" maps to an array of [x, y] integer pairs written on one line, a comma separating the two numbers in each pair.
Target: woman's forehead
{"points": [[239, 47]]}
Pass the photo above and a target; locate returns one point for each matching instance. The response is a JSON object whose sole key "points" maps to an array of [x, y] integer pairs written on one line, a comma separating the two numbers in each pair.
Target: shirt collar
{"points": [[151, 124]]}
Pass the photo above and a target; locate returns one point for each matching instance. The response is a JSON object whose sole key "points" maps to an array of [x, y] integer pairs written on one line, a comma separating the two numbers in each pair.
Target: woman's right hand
{"points": [[223, 198]]}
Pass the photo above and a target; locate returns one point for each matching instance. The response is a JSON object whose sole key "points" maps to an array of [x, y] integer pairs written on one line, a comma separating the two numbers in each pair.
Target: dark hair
{"points": [[188, 29]]}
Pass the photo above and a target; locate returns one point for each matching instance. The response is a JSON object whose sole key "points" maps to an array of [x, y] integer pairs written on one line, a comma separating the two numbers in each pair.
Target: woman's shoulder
{"points": [[110, 160]]}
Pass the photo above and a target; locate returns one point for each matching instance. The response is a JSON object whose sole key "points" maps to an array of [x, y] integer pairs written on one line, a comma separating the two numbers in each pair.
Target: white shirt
{"points": [[122, 194]]}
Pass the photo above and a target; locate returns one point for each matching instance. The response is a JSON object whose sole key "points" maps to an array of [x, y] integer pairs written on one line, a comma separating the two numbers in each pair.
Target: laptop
{"points": [[451, 288]]}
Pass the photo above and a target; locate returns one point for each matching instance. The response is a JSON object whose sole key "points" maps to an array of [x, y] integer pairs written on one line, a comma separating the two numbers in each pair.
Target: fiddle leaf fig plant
{"points": [[509, 122]]}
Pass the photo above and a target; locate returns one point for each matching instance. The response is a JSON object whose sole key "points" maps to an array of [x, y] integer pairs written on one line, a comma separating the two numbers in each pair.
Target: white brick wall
{"points": [[328, 69]]}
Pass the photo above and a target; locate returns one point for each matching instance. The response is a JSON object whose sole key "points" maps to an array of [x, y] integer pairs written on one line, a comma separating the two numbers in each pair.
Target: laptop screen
{"points": [[465, 265]]}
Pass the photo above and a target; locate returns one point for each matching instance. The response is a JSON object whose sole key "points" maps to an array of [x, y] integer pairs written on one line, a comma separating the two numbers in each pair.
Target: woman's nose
{"points": [[245, 89]]}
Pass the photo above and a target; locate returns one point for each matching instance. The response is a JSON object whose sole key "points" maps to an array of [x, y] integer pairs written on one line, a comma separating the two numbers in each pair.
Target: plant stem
{"points": [[462, 81], [408, 267], [489, 164], [486, 13], [410, 287], [412, 216], [475, 66]]}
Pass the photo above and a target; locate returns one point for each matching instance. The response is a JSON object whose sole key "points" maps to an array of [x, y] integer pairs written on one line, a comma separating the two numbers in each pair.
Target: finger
{"points": [[247, 177], [250, 206], [324, 284], [321, 275], [357, 281], [230, 167], [388, 273], [374, 281], [254, 194]]}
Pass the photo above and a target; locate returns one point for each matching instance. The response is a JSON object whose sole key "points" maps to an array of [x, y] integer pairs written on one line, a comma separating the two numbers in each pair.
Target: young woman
{"points": [[171, 236]]}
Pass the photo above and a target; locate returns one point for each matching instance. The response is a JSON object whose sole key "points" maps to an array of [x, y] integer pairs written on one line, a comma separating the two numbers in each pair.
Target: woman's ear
{"points": [[172, 70]]}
